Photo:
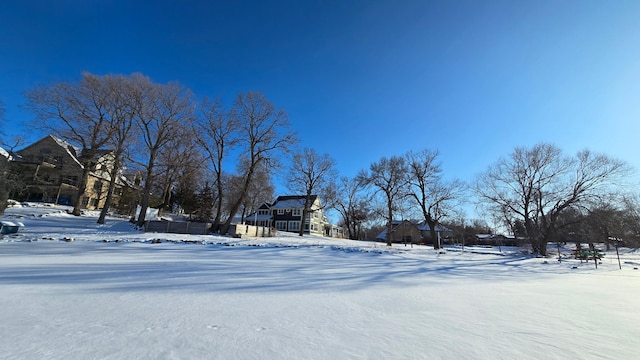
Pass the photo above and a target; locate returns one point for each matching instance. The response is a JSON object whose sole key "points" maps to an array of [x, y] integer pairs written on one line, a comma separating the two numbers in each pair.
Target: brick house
{"points": [[406, 231], [402, 231], [49, 171]]}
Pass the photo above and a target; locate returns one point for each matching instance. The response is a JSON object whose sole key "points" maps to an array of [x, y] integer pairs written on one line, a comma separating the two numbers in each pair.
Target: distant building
{"points": [[49, 171], [413, 232], [497, 239], [285, 214], [403, 231]]}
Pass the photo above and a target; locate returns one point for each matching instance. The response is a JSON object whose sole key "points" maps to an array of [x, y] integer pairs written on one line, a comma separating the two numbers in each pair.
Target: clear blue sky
{"points": [[362, 79]]}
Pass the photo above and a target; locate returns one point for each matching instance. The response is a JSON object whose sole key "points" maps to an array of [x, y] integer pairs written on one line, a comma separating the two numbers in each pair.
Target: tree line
{"points": [[217, 163], [537, 194], [181, 147]]}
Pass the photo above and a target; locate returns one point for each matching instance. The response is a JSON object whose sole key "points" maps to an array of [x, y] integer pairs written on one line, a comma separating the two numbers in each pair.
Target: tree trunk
{"points": [[305, 211], [82, 188], [216, 222], [390, 224], [109, 199], [432, 232], [146, 193], [245, 187], [166, 198]]}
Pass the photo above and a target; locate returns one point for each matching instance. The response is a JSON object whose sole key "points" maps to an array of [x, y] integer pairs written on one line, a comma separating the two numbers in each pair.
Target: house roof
{"points": [[70, 149], [422, 226], [75, 151], [292, 201], [395, 224]]}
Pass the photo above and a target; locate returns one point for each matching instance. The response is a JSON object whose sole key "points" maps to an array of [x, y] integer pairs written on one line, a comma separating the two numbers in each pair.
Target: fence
{"points": [[246, 231], [177, 227]]}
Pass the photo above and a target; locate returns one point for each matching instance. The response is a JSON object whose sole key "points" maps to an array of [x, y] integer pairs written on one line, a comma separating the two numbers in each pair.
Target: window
{"points": [[294, 225], [70, 180], [280, 211], [297, 212], [281, 225]]}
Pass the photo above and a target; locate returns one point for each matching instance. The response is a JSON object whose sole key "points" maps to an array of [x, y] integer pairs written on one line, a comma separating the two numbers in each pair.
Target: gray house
{"points": [[285, 214]]}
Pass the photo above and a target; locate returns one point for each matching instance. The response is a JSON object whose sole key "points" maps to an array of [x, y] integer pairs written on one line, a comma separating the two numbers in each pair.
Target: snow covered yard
{"points": [[112, 293]]}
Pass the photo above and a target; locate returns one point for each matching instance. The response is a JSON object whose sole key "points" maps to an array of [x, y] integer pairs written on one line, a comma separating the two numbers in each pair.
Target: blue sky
{"points": [[362, 79]]}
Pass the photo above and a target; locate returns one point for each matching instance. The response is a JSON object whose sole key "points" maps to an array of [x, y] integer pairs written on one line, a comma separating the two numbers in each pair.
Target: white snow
{"points": [[5, 153], [72, 289]]}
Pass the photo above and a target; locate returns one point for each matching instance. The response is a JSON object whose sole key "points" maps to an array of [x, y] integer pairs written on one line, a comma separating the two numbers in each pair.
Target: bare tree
{"points": [[310, 172], [436, 198], [631, 211], [179, 159], [120, 105], [76, 113], [264, 133], [215, 133], [162, 110], [538, 184], [260, 191], [352, 205], [388, 176], [187, 191]]}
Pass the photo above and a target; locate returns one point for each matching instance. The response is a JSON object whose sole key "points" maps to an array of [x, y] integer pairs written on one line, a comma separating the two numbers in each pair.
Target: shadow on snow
{"points": [[217, 268]]}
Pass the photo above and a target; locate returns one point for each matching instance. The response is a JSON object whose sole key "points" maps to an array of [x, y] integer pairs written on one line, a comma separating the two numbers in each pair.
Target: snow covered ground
{"points": [[116, 293]]}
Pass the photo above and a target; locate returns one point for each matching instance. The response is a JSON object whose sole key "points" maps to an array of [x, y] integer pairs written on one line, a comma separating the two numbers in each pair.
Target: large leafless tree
{"points": [[120, 105], [180, 159], [538, 184], [264, 135], [310, 173], [260, 191], [388, 177], [436, 197], [215, 130], [352, 205], [77, 113], [163, 112]]}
